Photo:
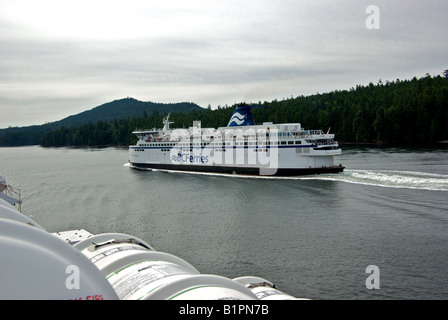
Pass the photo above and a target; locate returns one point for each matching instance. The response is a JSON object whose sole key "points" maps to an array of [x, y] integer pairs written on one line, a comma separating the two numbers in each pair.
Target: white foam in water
{"points": [[379, 178], [393, 179]]}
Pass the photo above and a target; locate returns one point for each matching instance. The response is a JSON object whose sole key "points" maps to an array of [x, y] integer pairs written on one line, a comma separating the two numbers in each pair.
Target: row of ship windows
{"points": [[262, 143], [255, 150], [221, 150]]}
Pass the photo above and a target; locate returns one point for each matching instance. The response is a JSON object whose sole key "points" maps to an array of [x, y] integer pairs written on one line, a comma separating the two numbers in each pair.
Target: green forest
{"points": [[401, 112], [108, 112]]}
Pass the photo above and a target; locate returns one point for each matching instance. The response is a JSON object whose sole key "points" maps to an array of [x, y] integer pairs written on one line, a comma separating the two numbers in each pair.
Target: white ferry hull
{"points": [[288, 162], [285, 172]]}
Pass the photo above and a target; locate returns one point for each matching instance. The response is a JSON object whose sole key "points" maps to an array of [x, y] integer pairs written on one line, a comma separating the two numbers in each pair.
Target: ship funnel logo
{"points": [[242, 116], [237, 119]]}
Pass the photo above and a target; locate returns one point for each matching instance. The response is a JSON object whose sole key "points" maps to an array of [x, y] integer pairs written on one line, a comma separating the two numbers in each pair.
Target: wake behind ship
{"points": [[242, 147]]}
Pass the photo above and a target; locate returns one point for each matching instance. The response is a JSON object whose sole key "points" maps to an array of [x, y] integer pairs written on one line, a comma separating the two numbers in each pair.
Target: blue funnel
{"points": [[242, 116]]}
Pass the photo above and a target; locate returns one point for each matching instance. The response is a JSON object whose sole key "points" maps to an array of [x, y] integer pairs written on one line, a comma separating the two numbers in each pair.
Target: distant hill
{"points": [[125, 108], [118, 109]]}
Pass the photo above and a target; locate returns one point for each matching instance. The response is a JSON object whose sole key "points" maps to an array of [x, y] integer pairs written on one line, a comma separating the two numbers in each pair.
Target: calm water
{"points": [[313, 237]]}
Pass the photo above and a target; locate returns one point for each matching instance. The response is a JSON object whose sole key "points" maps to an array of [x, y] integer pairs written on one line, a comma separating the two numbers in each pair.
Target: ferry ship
{"points": [[242, 147]]}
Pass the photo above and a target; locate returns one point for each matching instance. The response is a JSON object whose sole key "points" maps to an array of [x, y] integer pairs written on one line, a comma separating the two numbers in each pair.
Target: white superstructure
{"points": [[240, 148]]}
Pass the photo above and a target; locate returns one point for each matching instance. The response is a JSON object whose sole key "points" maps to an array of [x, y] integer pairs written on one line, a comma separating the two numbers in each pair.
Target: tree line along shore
{"points": [[401, 112]]}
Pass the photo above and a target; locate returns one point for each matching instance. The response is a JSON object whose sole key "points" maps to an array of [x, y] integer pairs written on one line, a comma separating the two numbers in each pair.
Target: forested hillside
{"points": [[402, 111], [117, 109], [125, 108], [407, 112]]}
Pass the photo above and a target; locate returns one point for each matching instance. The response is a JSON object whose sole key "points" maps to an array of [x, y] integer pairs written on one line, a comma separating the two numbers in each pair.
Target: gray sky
{"points": [[62, 57]]}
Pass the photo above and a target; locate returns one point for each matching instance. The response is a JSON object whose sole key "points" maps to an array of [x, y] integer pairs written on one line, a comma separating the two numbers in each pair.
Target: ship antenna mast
{"points": [[166, 123]]}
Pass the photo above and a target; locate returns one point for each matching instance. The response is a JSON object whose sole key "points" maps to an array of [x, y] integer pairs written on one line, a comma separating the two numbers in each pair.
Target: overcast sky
{"points": [[62, 57]]}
